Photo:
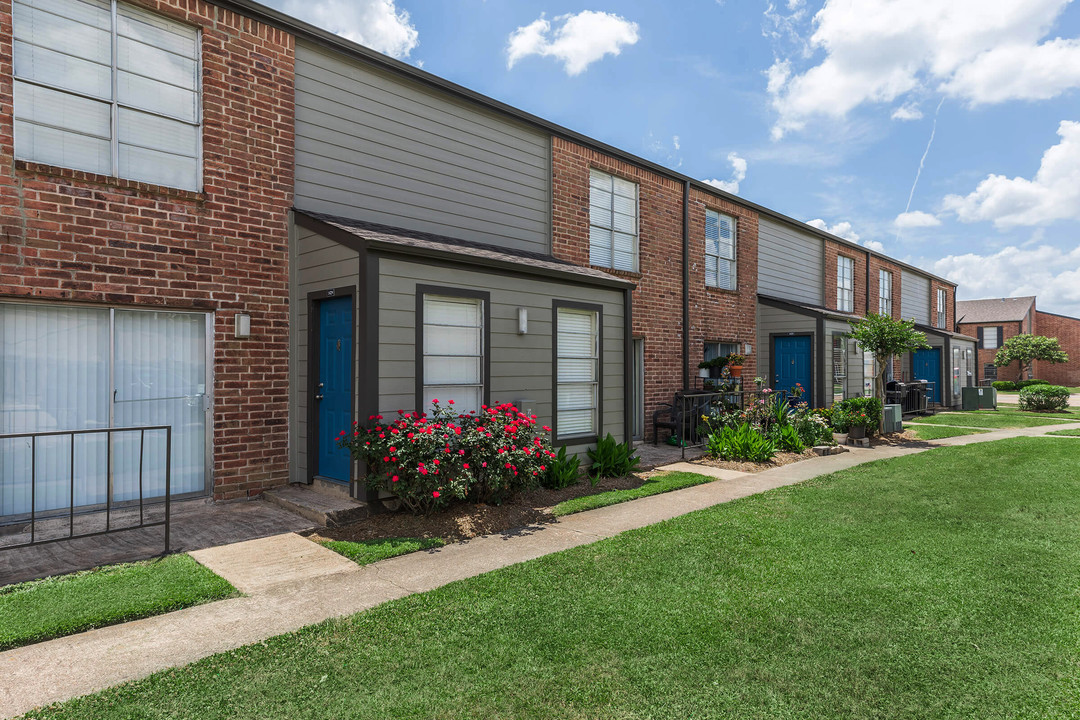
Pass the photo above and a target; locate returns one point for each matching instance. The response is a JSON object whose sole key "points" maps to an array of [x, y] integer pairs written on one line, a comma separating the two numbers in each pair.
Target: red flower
{"points": [[466, 466], [435, 462], [386, 459], [394, 479], [450, 401], [435, 494]]}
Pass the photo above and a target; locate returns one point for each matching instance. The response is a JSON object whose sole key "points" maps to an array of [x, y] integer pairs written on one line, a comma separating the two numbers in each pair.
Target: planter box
{"points": [[857, 432]]}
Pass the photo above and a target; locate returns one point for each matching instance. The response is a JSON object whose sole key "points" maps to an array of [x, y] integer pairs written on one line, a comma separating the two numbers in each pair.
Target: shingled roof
{"points": [[385, 237], [993, 310]]}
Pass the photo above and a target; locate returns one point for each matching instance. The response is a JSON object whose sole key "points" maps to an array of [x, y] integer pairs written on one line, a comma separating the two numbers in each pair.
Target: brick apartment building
{"points": [[994, 320]]}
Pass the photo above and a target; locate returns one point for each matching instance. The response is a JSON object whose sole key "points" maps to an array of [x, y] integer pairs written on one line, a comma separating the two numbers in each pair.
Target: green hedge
{"points": [[1044, 398]]}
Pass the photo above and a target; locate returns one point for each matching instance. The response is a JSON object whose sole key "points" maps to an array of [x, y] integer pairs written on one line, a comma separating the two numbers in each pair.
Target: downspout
{"points": [[867, 312], [686, 286]]}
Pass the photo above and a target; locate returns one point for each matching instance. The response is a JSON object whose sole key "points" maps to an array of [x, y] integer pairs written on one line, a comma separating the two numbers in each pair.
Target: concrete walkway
{"points": [[292, 582]]}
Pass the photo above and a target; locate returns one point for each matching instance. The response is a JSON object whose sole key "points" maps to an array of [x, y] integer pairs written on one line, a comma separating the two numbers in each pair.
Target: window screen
{"points": [[454, 352], [719, 250], [613, 222], [845, 284], [577, 372], [885, 293]]}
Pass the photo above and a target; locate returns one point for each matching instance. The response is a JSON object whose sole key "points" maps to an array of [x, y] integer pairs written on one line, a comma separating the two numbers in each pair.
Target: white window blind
{"points": [[941, 308], [454, 352], [613, 222], [109, 88], [990, 338], [845, 284], [885, 293], [578, 358], [719, 250]]}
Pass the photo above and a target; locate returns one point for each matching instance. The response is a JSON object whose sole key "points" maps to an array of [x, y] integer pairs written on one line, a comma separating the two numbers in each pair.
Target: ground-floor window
{"points": [[453, 351], [714, 350], [81, 367], [577, 370], [990, 372]]}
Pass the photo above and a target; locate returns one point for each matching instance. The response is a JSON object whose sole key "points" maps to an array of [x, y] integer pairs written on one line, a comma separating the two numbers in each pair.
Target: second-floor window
{"points": [[719, 250], [845, 284], [613, 222], [885, 293], [108, 88], [990, 338], [941, 300]]}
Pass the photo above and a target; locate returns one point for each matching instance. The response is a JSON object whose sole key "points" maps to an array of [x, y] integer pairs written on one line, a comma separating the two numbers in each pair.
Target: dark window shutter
{"points": [[980, 338]]}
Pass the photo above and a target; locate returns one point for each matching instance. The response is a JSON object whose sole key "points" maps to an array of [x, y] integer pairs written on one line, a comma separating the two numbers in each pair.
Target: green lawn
{"points": [[936, 585], [43, 609], [653, 486], [1071, 433], [369, 551], [937, 432], [996, 419]]}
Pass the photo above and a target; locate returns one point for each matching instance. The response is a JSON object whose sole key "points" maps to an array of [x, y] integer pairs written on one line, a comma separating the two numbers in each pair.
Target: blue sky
{"points": [[821, 110]]}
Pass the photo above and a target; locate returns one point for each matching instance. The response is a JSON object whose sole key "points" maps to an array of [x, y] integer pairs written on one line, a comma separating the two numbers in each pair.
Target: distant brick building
{"points": [[995, 320]]}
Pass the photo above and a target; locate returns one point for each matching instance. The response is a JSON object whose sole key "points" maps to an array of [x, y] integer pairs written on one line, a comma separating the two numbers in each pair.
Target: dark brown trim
{"points": [[628, 366], [576, 439], [418, 347], [368, 352], [823, 361], [313, 299], [867, 298], [772, 358]]}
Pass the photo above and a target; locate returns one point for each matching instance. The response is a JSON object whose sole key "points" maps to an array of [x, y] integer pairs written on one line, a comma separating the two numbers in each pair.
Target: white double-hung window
{"points": [[577, 371], [845, 284], [453, 352], [942, 298], [885, 293], [719, 250], [109, 88], [613, 222]]}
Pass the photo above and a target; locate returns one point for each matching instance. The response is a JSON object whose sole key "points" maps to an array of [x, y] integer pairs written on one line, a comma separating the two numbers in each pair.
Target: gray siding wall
{"points": [[789, 263], [915, 297], [520, 364], [772, 320], [853, 361], [319, 264], [381, 148]]}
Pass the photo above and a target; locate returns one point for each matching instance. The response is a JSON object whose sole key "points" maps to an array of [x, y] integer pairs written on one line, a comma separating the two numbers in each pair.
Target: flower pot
{"points": [[840, 438], [857, 432], [735, 370], [703, 372]]}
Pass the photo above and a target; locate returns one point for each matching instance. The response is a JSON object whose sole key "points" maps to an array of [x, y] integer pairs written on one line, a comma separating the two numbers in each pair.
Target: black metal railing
{"points": [[55, 515], [684, 416]]}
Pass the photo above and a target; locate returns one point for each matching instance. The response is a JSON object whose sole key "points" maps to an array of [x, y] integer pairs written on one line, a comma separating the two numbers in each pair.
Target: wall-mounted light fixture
{"points": [[242, 326], [523, 320], [748, 349]]}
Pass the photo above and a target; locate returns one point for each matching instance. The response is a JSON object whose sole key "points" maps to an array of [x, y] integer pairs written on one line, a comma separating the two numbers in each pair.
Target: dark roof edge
{"points": [[808, 310], [336, 42], [362, 244], [1066, 317]]}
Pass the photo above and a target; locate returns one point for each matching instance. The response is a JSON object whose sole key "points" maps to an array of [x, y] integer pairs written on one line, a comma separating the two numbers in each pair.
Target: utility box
{"points": [[894, 419], [987, 398], [978, 398]]}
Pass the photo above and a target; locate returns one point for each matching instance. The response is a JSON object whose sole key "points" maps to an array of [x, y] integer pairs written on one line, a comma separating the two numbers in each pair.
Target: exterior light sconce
{"points": [[242, 326], [748, 349], [523, 320]]}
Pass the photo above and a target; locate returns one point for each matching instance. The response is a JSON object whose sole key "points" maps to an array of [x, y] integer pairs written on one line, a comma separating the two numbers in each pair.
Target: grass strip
{"points": [[369, 551], [1069, 433], [937, 432], [653, 486], [44, 609], [989, 419]]}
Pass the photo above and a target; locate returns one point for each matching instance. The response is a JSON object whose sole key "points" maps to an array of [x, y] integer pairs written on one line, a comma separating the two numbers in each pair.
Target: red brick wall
{"points": [[76, 237], [986, 357], [950, 319], [1067, 331], [715, 315]]}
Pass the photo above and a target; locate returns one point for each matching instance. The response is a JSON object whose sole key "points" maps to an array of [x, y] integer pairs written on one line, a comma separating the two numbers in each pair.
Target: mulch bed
{"points": [[784, 458], [906, 437]]}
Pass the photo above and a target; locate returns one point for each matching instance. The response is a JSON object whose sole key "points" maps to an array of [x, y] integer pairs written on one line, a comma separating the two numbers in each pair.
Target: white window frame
{"points": [[448, 295], [116, 106], [719, 256], [885, 301], [986, 340], [942, 299], [602, 217], [561, 308], [845, 283]]}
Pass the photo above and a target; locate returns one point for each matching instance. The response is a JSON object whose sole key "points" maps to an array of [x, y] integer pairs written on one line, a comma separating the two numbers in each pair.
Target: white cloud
{"points": [[908, 111], [1046, 271], [874, 245], [877, 51], [916, 219], [738, 174], [1053, 194], [378, 24], [840, 229], [580, 40]]}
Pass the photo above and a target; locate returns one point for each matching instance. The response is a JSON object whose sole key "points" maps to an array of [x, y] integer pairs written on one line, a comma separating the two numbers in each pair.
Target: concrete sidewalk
{"points": [[292, 582]]}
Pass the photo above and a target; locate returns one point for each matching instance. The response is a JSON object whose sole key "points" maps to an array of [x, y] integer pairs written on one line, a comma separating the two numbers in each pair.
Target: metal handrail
{"points": [[109, 432]]}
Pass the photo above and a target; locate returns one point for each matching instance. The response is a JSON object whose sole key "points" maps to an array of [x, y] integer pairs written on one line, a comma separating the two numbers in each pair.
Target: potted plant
{"points": [[706, 367], [858, 422], [735, 364]]}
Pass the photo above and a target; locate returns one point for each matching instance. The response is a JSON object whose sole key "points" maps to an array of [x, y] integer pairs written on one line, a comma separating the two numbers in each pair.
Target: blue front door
{"points": [[926, 365], [792, 363], [333, 389]]}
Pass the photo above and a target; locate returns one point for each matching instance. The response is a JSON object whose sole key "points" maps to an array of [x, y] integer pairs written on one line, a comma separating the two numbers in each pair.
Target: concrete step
{"points": [[323, 509]]}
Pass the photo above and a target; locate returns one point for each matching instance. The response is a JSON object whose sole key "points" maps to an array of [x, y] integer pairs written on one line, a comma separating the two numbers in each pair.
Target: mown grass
{"points": [[653, 486], [936, 585], [1070, 433], [369, 551], [937, 432], [67, 604], [994, 419]]}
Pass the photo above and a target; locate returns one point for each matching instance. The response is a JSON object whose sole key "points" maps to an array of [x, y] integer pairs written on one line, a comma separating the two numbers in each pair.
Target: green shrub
{"points": [[741, 442], [865, 411], [611, 459], [787, 439], [813, 426], [1028, 383], [564, 471], [1004, 385], [1044, 398]]}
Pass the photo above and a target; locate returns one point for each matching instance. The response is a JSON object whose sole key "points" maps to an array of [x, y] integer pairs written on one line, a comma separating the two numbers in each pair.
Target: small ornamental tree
{"points": [[884, 338], [1025, 349]]}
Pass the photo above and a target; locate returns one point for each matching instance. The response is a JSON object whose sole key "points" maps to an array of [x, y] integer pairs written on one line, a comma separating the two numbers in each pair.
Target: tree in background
{"points": [[1025, 349], [884, 338]]}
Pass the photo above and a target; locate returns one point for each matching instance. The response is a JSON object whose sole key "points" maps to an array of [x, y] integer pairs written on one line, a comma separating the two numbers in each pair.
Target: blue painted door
{"points": [[926, 365], [333, 391], [792, 363]]}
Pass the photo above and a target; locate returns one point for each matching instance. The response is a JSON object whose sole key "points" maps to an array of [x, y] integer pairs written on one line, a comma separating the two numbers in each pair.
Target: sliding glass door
{"points": [[77, 368]]}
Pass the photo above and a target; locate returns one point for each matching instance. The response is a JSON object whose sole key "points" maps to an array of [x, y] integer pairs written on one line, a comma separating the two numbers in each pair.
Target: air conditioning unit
{"points": [[894, 419]]}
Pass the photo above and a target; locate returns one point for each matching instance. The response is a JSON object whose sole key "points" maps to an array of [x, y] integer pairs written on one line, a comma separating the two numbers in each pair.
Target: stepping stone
{"points": [[255, 565]]}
